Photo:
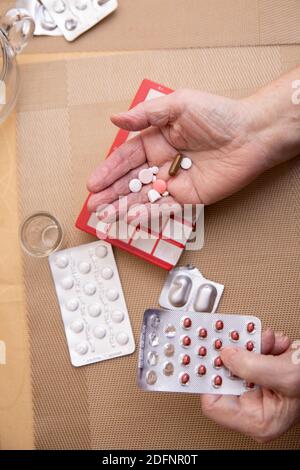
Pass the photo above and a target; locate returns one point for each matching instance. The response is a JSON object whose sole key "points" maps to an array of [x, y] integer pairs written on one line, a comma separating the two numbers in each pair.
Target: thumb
{"points": [[156, 112], [265, 370]]}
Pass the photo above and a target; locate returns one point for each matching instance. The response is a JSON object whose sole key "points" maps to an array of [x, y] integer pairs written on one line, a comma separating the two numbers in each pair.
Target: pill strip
{"points": [[75, 17], [180, 351], [92, 303], [187, 289]]}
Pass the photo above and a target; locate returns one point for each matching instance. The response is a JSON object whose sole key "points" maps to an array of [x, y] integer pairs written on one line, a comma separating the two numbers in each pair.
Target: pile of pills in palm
{"points": [[180, 351], [159, 186]]}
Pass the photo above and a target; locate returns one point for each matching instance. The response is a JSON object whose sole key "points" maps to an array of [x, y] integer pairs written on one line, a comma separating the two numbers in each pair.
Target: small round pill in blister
{"points": [[151, 377], [107, 273], [202, 333], [72, 305], [186, 323], [202, 351], [89, 288], [217, 381], [168, 369], [117, 316], [152, 358], [218, 344], [153, 339], [99, 332], [170, 331], [184, 378], [84, 267], [101, 251], [186, 341], [218, 363], [219, 325], [112, 294], [251, 327], [250, 346], [169, 349], [62, 261], [185, 360], [71, 24], [77, 326], [249, 385], [234, 335], [201, 370], [122, 338], [67, 283], [82, 348], [94, 310], [59, 6]]}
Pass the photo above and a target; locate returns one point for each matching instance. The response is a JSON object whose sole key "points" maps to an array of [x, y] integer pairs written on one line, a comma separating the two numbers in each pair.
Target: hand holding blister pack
{"points": [[92, 303], [180, 351]]}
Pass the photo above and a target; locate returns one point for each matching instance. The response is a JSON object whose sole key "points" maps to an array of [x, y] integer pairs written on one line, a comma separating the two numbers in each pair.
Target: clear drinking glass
{"points": [[40, 234], [16, 28]]}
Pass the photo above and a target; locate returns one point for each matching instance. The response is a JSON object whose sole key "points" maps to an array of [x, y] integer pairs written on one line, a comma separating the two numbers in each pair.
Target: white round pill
{"points": [[67, 283], [155, 170], [146, 176], [99, 332], [107, 272], [77, 326], [62, 261], [94, 310], [59, 6], [112, 294], [89, 288], [72, 305], [82, 348], [117, 316], [84, 267], [122, 338], [135, 185], [186, 163], [101, 251]]}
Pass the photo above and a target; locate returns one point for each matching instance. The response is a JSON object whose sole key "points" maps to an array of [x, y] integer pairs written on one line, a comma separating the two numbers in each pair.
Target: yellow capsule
{"points": [[175, 165]]}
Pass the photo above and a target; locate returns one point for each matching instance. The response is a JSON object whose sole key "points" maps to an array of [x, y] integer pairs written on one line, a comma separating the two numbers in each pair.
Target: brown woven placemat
{"points": [[252, 245], [167, 24]]}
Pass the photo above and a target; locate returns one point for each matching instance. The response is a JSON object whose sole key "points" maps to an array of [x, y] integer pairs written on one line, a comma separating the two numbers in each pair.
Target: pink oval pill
{"points": [[160, 186]]}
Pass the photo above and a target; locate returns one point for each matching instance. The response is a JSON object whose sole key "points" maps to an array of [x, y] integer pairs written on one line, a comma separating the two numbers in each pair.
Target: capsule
{"points": [[187, 323], [234, 335], [180, 290], [250, 385], [250, 346], [202, 351], [219, 325], [205, 298], [218, 344], [251, 327], [201, 370], [218, 363], [217, 381], [175, 165], [184, 378], [203, 333], [186, 360], [186, 341]]}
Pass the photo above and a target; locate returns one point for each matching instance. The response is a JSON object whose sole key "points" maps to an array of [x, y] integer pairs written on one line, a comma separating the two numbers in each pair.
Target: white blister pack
{"points": [[74, 17], [180, 351], [187, 289], [92, 303]]}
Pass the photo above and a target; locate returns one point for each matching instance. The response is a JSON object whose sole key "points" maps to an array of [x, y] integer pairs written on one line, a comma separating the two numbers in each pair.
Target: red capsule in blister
{"points": [[218, 362], [201, 370], [187, 323], [219, 325], [186, 341], [251, 327], [250, 385], [218, 344], [184, 378], [202, 351], [217, 381], [186, 360], [234, 335], [250, 346], [203, 333]]}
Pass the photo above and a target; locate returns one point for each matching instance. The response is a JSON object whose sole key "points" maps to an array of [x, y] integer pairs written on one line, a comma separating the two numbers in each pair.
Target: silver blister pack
{"points": [[180, 351], [187, 289], [74, 17], [92, 303], [44, 24]]}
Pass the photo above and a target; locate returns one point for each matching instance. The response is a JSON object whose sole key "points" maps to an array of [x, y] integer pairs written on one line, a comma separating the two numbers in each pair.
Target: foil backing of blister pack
{"points": [[180, 351], [186, 288], [92, 303], [74, 17]]}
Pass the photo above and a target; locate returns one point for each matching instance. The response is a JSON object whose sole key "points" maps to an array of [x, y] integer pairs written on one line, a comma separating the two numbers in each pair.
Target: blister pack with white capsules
{"points": [[187, 289], [74, 17], [92, 303], [180, 351]]}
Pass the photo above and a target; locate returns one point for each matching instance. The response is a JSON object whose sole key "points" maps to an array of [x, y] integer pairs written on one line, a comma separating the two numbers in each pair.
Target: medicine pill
{"points": [[218, 344], [184, 378], [153, 195], [186, 359], [146, 176], [135, 185], [203, 333], [160, 186], [186, 163], [175, 165], [202, 351]]}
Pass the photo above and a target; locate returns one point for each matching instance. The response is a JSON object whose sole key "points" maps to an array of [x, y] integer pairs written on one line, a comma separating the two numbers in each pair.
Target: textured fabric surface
{"points": [[252, 245], [183, 23]]}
